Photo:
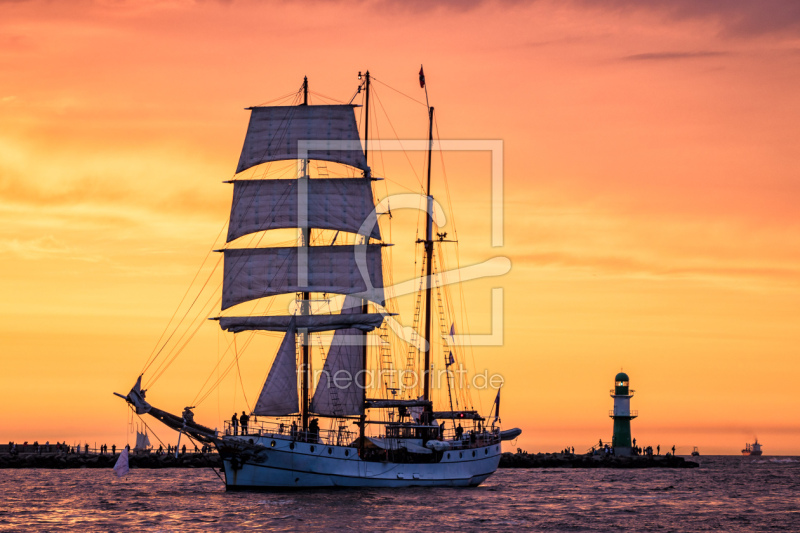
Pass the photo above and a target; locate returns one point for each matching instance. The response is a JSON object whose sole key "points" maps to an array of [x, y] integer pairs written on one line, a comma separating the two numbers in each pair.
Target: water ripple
{"points": [[726, 493]]}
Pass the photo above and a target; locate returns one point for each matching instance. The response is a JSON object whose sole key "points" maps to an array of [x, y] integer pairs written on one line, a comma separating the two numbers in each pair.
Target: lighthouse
{"points": [[622, 415]]}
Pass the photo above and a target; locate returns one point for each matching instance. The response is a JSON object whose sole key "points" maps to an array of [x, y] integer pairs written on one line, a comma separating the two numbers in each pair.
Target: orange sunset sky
{"points": [[651, 198]]}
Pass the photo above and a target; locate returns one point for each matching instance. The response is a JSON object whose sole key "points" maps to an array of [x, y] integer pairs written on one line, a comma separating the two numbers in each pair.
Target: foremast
{"points": [[304, 302], [364, 303], [304, 132]]}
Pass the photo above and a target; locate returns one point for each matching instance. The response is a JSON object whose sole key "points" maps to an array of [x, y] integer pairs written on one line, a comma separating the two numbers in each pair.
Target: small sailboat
{"points": [[142, 441], [121, 467], [396, 438]]}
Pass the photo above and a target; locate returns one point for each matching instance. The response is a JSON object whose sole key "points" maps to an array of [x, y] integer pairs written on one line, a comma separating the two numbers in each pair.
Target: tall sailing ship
{"points": [[397, 439]]}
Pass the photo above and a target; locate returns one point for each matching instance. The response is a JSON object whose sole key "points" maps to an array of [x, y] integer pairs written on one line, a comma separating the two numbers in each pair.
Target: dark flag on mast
{"points": [[421, 78]]}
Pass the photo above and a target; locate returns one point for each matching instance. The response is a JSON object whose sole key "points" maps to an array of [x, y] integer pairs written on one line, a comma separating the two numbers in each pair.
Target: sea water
{"points": [[724, 494]]}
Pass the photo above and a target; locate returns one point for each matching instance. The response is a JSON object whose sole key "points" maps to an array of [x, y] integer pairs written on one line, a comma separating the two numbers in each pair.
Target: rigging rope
{"points": [[463, 315], [401, 92], [154, 356], [239, 370], [169, 356]]}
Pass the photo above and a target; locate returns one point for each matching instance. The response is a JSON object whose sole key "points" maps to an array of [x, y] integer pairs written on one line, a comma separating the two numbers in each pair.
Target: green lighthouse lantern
{"points": [[622, 414]]}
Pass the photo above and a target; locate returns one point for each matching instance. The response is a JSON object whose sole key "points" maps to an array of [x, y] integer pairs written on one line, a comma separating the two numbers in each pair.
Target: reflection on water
{"points": [[725, 493]]}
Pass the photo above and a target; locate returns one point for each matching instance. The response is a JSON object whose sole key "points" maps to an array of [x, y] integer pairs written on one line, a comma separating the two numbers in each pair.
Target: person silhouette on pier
{"points": [[658, 449], [234, 424], [673, 450], [243, 420]]}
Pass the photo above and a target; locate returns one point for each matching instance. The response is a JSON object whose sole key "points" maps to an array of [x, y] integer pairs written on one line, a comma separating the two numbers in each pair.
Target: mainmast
{"points": [[304, 304], [426, 395]]}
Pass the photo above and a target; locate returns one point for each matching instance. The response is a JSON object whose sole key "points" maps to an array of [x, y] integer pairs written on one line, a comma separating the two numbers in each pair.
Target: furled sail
{"points": [[343, 204], [313, 323], [279, 395], [275, 134], [252, 273], [340, 390]]}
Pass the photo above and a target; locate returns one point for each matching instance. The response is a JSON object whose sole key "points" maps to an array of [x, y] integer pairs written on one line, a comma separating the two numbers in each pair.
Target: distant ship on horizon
{"points": [[752, 449]]}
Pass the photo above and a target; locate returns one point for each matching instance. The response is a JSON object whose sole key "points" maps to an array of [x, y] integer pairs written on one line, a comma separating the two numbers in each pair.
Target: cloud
{"points": [[618, 265], [40, 248], [736, 18], [671, 56]]}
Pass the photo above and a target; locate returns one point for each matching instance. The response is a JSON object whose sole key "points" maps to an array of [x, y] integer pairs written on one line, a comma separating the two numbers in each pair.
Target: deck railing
{"points": [[343, 437], [331, 437], [633, 413]]}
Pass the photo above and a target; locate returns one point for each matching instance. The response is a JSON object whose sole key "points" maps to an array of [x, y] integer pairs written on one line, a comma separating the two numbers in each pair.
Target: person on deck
{"points": [[313, 430], [243, 420], [234, 424], [294, 429], [459, 431]]}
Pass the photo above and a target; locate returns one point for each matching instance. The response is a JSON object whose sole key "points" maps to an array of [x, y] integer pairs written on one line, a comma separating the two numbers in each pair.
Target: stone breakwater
{"points": [[562, 460], [73, 460], [199, 460]]}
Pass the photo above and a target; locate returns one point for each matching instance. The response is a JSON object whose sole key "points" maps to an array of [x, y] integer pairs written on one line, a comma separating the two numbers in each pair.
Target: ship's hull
{"points": [[289, 464], [754, 454]]}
